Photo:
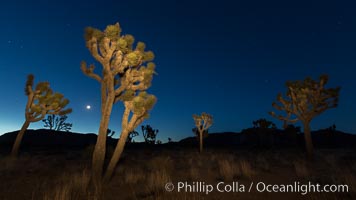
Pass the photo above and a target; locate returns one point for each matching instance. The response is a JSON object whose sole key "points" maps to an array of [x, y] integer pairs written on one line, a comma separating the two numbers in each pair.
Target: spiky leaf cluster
{"points": [[142, 103], [42, 101], [203, 122], [306, 99], [127, 64]]}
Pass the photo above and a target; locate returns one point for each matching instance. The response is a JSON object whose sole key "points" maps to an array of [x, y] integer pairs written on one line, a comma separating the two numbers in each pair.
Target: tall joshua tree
{"points": [[40, 101], [124, 77], [202, 123], [306, 99]]}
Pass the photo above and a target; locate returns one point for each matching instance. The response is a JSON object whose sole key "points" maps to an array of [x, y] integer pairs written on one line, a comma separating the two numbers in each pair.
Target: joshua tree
{"points": [[149, 134], [195, 130], [40, 101], [132, 134], [264, 124], [202, 123], [58, 123], [306, 99], [124, 77]]}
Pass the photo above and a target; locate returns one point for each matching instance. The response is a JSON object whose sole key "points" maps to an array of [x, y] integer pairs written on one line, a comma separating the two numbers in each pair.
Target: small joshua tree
{"points": [[40, 101], [306, 99], [149, 134], [58, 123], [132, 134], [202, 123], [263, 124], [126, 74]]}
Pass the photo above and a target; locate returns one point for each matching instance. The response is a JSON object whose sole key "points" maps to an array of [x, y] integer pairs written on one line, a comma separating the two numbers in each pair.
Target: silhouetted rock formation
{"points": [[45, 138], [248, 138]]}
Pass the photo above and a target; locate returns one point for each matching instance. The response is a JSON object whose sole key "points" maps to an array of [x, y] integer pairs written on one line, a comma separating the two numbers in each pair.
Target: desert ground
{"points": [[64, 173]]}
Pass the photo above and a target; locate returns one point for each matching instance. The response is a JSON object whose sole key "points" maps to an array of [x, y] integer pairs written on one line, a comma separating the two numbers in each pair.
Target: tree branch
{"points": [[89, 71], [93, 48]]}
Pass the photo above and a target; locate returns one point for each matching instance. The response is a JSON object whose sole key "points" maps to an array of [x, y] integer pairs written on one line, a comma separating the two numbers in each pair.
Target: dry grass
{"points": [[246, 169], [263, 164], [14, 164], [87, 152], [194, 173], [71, 186], [160, 168], [177, 196], [331, 160], [144, 175], [301, 169], [344, 176], [161, 163], [320, 195], [134, 176], [156, 181], [228, 169], [353, 167]]}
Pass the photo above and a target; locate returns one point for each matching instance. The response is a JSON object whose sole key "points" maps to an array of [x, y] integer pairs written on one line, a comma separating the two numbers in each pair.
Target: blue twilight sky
{"points": [[227, 58]]}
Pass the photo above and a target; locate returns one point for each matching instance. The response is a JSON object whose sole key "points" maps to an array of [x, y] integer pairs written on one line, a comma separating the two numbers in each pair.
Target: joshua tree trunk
{"points": [[117, 154], [100, 146], [20, 134], [201, 140], [308, 140]]}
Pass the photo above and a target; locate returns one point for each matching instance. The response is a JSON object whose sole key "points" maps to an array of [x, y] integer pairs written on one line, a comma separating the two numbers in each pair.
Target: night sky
{"points": [[226, 58]]}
